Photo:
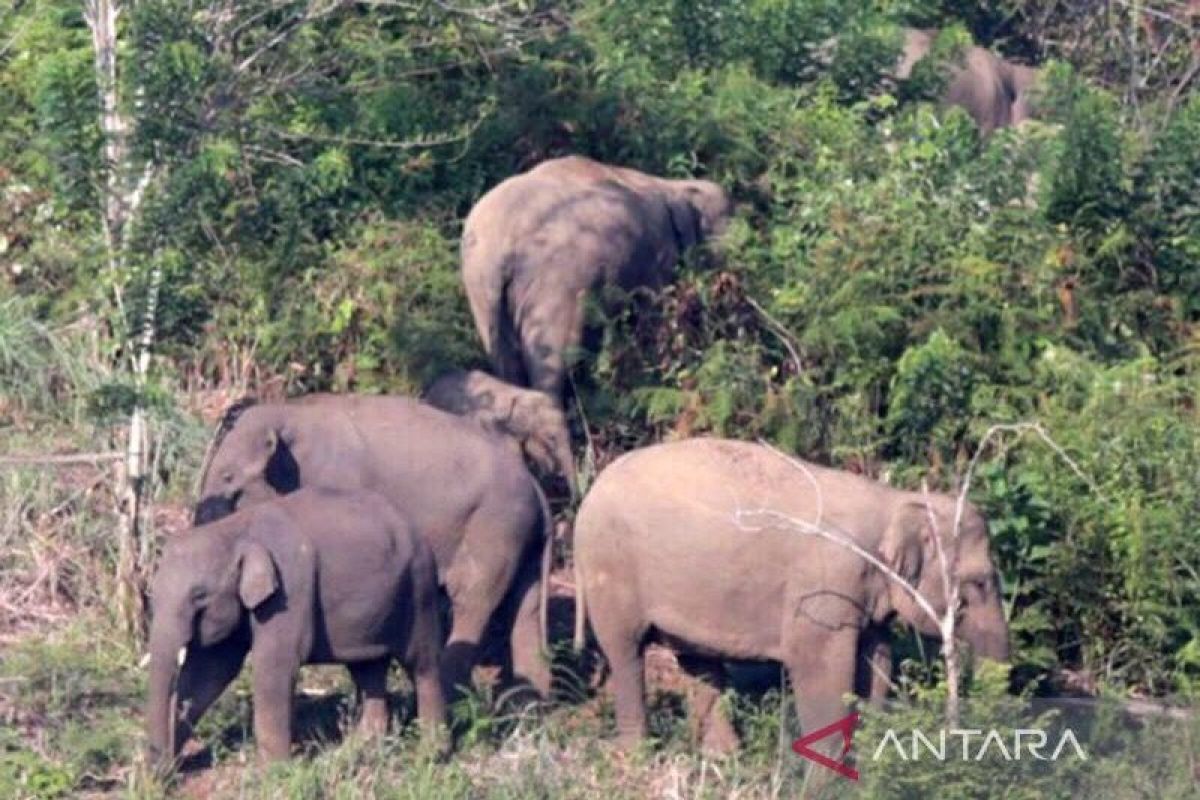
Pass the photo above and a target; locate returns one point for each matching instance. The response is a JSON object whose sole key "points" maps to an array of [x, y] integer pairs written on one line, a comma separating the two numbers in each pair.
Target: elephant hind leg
{"points": [[551, 335], [711, 729], [506, 350], [621, 634], [370, 683], [527, 664], [476, 586]]}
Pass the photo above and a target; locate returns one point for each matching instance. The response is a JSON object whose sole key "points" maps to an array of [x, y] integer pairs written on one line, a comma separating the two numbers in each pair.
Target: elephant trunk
{"points": [[993, 646], [162, 725], [988, 636]]}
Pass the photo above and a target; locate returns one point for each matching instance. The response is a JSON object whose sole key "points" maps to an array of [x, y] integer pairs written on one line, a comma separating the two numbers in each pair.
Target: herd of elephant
{"points": [[350, 529]]}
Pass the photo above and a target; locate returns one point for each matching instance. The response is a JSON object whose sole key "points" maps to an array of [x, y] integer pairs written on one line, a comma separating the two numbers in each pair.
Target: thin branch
{"points": [[419, 143], [806, 472], [803, 526], [311, 13], [783, 334], [61, 459]]}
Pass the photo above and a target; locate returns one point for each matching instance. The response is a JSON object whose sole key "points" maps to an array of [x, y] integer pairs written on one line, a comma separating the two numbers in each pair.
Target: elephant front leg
{"points": [[274, 691], [370, 681], [204, 677], [821, 665], [873, 673]]}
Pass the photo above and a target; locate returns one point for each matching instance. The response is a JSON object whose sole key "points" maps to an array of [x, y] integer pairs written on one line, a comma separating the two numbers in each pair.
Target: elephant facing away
{"points": [[684, 543], [537, 244], [467, 492], [532, 419], [994, 91], [317, 577]]}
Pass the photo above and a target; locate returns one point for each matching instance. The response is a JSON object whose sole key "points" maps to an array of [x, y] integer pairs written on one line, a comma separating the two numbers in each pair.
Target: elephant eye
{"points": [[227, 477], [198, 595]]}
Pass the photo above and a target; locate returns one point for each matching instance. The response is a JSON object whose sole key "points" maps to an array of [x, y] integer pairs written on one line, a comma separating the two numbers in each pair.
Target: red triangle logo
{"points": [[845, 726]]}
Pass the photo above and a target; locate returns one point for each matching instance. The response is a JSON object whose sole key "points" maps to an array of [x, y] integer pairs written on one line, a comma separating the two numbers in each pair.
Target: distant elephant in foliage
{"points": [[466, 491], [994, 91], [700, 545], [316, 577], [537, 244], [532, 419]]}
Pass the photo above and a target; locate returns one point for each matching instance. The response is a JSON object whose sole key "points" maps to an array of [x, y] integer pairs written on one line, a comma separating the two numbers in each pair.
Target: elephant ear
{"points": [[685, 221], [904, 543], [257, 580]]}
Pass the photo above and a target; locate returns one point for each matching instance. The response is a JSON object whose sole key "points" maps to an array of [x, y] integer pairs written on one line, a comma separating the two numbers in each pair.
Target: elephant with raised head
{"points": [[536, 245], [466, 491], [531, 419], [994, 91], [317, 577], [689, 543]]}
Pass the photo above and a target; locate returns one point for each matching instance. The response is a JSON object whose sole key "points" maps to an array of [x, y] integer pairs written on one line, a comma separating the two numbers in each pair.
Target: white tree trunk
{"points": [[120, 198]]}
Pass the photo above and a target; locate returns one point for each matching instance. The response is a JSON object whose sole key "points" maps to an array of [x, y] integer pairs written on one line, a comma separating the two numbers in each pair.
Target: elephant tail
{"points": [[485, 278], [547, 563], [580, 608]]}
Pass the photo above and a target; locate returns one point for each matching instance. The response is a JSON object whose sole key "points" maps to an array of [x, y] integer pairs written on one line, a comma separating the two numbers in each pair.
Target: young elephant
{"points": [[531, 418], [685, 542], [467, 492], [316, 577]]}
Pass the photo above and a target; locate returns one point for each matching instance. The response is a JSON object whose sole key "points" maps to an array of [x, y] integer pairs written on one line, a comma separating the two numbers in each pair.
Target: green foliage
{"points": [[892, 286], [930, 397]]}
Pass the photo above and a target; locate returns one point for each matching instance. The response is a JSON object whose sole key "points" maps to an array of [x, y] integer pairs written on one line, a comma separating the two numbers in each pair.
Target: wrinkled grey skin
{"points": [[537, 244], [994, 91], [466, 491], [662, 551], [317, 577], [531, 418]]}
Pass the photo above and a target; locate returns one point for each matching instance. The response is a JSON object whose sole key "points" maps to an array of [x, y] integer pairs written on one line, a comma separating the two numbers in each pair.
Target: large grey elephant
{"points": [[688, 543], [532, 419], [994, 91], [467, 492], [316, 577], [536, 245]]}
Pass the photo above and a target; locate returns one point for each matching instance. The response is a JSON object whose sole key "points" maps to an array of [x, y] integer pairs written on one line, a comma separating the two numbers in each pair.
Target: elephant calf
{"points": [[315, 577], [532, 419], [693, 544]]}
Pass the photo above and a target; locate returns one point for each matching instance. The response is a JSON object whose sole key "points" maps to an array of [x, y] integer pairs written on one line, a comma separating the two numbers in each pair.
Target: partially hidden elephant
{"points": [[695, 544], [532, 419], [316, 577], [467, 492], [994, 91], [538, 244]]}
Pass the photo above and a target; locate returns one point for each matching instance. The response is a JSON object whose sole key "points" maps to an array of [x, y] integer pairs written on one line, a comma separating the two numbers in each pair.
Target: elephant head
{"points": [[700, 210], [909, 547], [251, 460], [541, 426], [532, 418], [206, 584]]}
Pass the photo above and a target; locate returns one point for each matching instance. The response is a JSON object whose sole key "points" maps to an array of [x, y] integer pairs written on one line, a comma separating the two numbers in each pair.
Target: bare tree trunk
{"points": [[120, 199]]}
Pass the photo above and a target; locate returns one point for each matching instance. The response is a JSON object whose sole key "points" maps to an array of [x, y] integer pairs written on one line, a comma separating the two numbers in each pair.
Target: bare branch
{"points": [[842, 540], [63, 459], [781, 332]]}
